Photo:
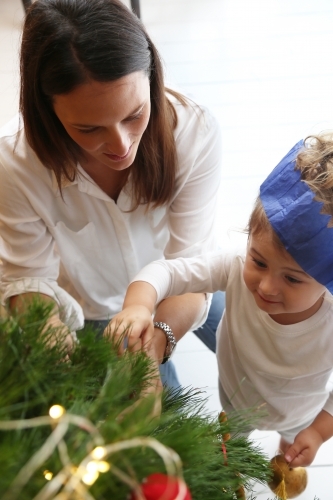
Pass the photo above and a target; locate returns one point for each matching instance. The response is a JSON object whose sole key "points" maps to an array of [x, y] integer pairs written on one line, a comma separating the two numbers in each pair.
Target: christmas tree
{"points": [[78, 427]]}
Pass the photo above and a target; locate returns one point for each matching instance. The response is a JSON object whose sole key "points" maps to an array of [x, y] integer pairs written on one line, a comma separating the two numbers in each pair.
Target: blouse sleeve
{"points": [[30, 263], [192, 212]]}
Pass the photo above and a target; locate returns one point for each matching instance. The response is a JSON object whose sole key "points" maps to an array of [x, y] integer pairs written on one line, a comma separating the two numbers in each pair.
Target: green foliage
{"points": [[99, 385]]}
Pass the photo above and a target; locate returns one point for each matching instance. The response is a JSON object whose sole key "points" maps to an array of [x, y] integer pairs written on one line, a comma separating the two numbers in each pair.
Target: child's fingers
{"points": [[134, 344], [118, 332], [292, 452], [303, 459], [304, 448], [129, 331], [300, 455], [140, 337]]}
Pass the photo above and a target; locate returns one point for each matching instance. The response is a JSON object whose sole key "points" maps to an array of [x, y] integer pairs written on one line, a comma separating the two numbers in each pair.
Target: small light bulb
{"points": [[103, 466], [92, 466], [48, 475], [97, 465], [98, 453], [90, 477], [56, 411]]}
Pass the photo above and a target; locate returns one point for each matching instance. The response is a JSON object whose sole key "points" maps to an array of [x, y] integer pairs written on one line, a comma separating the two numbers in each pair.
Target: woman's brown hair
{"points": [[67, 43]]}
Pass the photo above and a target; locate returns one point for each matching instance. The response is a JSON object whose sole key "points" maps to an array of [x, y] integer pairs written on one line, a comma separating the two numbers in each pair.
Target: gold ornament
{"points": [[287, 482]]}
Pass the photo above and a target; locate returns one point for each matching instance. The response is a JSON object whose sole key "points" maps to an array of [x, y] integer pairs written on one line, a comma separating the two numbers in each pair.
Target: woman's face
{"points": [[107, 120]]}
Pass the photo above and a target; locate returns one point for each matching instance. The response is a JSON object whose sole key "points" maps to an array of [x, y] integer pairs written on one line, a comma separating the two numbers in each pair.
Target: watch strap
{"points": [[171, 340]]}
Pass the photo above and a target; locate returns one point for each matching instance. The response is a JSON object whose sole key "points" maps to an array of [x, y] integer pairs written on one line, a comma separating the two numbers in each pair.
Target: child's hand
{"points": [[135, 324], [304, 448], [307, 442]]}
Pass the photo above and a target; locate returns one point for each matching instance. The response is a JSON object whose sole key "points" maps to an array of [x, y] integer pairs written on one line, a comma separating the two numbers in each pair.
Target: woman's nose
{"points": [[118, 142]]}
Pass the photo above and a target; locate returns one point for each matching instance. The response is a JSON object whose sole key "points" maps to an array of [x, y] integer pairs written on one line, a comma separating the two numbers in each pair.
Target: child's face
{"points": [[279, 285]]}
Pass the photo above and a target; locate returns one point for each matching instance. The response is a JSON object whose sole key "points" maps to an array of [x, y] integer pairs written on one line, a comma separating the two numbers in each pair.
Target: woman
{"points": [[105, 171]]}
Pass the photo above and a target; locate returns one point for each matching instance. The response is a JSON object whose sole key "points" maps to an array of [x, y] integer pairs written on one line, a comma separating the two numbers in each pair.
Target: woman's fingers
{"points": [[60, 334]]}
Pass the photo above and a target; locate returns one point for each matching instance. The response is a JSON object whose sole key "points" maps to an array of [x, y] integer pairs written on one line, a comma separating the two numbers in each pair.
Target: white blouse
{"points": [[84, 249]]}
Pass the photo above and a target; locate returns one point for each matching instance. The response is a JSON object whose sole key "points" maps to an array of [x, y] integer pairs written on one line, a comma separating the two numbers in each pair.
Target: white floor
{"points": [[264, 67]]}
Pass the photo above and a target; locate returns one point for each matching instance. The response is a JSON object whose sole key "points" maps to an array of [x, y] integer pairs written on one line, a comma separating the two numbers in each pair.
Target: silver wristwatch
{"points": [[171, 341]]}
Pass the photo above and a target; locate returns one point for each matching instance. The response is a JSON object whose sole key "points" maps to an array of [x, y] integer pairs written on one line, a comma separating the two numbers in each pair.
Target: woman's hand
{"points": [[20, 303], [61, 333], [134, 325]]}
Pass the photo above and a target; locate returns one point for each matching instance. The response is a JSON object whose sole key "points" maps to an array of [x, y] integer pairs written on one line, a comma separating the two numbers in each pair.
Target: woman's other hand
{"points": [[61, 333]]}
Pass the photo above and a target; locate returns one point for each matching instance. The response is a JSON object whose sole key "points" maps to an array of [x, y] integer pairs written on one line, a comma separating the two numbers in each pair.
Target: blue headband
{"points": [[295, 217]]}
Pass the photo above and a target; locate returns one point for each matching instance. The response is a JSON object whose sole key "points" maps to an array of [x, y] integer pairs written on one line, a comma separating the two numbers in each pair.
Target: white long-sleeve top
{"points": [[83, 249], [283, 367]]}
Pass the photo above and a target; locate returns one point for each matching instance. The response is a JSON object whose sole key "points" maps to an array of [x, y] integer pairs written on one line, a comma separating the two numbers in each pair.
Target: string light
{"points": [[103, 466], [98, 453], [90, 477], [56, 411], [48, 475], [97, 465], [92, 466]]}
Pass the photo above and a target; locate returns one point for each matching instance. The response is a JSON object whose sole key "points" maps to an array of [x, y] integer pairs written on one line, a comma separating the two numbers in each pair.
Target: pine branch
{"points": [[97, 385]]}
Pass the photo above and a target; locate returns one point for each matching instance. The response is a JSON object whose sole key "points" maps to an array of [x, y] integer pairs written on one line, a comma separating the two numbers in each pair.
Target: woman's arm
{"points": [[180, 313], [192, 214]]}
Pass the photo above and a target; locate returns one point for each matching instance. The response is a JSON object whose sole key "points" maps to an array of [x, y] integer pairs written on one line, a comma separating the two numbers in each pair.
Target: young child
{"points": [[275, 338]]}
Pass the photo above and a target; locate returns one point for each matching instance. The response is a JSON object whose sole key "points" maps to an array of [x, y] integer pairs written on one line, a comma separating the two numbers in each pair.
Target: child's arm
{"points": [[139, 304], [307, 442], [178, 311], [178, 286]]}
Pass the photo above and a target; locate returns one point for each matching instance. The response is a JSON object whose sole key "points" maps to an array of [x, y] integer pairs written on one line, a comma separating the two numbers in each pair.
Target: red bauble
{"points": [[161, 486]]}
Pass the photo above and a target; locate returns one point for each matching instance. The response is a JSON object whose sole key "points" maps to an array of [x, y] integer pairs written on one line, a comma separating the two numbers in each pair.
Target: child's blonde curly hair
{"points": [[315, 162]]}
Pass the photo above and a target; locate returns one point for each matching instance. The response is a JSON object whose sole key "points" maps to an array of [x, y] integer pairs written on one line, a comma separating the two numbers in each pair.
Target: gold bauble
{"points": [[287, 482]]}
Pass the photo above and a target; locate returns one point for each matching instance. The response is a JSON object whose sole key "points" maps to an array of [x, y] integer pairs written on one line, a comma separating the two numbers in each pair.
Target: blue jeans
{"points": [[206, 333]]}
